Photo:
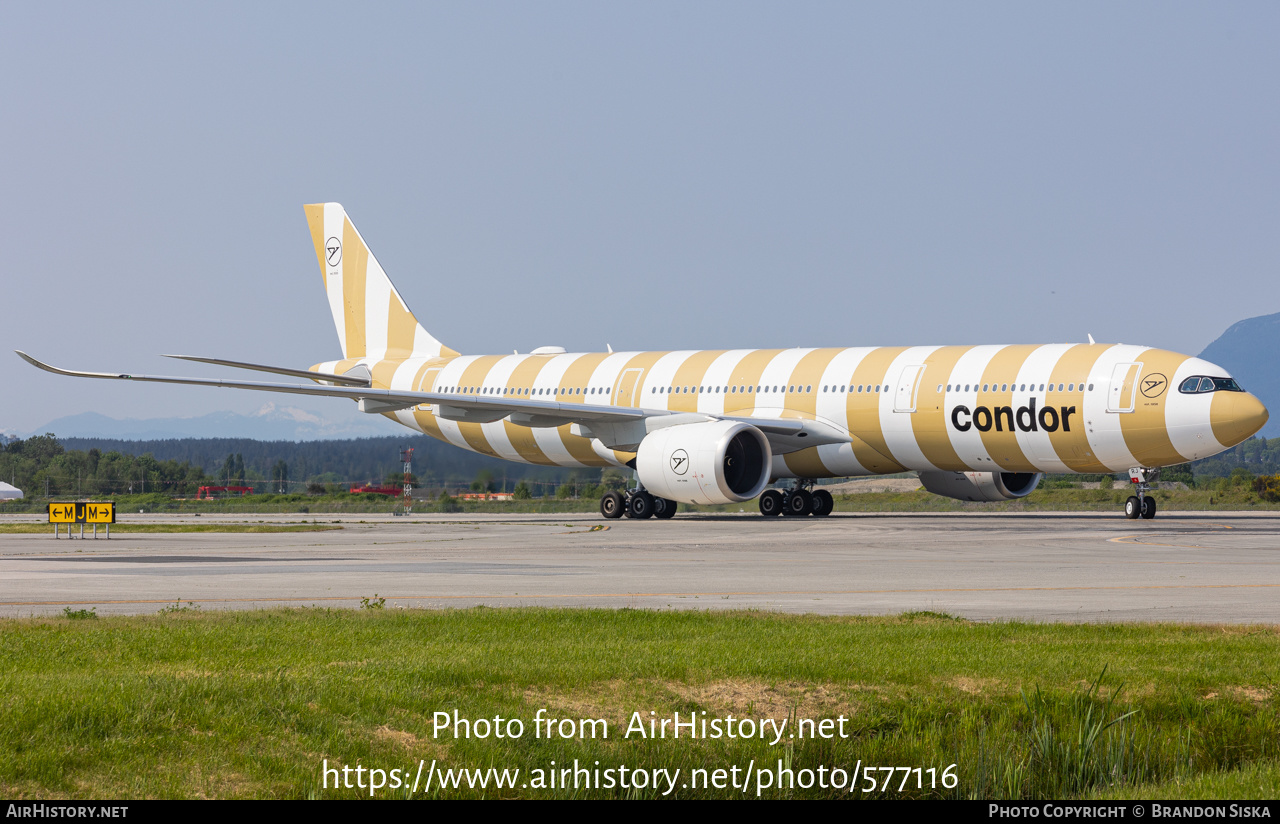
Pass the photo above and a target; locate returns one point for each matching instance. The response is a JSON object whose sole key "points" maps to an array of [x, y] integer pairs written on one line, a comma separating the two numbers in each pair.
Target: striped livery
{"points": [[1020, 408]]}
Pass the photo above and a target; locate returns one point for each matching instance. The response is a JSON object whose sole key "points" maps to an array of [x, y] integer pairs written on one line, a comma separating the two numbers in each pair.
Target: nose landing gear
{"points": [[1140, 506]]}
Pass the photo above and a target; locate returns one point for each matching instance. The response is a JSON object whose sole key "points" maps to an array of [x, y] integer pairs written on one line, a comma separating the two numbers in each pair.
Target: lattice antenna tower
{"points": [[406, 458]]}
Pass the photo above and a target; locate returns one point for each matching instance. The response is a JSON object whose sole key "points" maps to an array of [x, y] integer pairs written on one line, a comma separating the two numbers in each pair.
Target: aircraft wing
{"points": [[385, 400], [619, 427]]}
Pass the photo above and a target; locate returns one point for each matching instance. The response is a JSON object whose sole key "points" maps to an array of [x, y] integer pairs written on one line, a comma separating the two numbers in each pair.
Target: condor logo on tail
{"points": [[1025, 418]]}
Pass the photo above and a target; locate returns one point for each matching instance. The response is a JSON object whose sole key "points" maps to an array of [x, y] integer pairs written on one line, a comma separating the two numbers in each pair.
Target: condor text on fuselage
{"points": [[1005, 418]]}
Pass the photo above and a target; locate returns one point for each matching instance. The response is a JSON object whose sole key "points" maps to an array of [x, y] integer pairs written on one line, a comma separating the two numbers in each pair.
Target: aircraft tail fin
{"points": [[372, 319]]}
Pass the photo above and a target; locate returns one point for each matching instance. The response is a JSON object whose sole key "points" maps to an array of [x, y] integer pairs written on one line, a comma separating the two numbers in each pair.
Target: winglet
{"points": [[55, 370]]}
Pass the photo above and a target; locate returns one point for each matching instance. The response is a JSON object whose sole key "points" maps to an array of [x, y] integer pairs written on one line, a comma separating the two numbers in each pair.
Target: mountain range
{"points": [[269, 423]]}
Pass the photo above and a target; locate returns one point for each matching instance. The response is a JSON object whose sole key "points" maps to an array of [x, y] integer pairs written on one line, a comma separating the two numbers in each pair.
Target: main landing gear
{"points": [[636, 503], [798, 502], [1140, 506]]}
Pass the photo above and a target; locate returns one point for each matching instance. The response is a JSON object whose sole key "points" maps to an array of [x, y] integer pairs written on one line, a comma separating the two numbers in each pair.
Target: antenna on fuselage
{"points": [[1091, 341]]}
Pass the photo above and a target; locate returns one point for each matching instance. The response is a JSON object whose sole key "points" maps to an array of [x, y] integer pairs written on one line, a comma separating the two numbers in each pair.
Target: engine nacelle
{"points": [[717, 462], [981, 486]]}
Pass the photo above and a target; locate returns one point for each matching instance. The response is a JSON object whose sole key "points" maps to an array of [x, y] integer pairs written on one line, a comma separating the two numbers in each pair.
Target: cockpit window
{"points": [[1200, 384]]}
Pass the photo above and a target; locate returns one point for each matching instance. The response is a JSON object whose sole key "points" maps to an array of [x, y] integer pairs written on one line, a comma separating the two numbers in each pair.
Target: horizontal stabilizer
{"points": [[343, 380]]}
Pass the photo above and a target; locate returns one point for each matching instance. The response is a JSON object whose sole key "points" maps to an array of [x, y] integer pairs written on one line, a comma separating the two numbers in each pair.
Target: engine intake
{"points": [[717, 462], [981, 486]]}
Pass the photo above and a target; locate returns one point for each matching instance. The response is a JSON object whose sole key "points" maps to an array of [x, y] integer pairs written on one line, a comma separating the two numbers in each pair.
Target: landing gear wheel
{"points": [[822, 503], [612, 505], [771, 501], [1148, 508], [662, 508], [1132, 508], [799, 504], [641, 505]]}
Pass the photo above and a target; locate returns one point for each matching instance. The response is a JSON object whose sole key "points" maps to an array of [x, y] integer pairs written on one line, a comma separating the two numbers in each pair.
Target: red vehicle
{"points": [[378, 490], [206, 493]]}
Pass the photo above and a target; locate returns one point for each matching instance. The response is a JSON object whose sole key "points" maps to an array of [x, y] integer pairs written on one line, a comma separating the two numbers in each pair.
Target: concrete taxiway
{"points": [[1192, 567]]}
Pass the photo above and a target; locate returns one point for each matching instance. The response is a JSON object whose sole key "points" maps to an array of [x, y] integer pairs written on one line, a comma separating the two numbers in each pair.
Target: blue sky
{"points": [[650, 175]]}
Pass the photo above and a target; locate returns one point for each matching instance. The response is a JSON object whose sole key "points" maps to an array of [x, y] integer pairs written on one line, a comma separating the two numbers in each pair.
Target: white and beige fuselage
{"points": [[1037, 408]]}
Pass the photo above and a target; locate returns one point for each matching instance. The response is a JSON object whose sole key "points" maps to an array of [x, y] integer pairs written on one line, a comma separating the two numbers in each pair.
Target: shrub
{"points": [[1267, 487]]}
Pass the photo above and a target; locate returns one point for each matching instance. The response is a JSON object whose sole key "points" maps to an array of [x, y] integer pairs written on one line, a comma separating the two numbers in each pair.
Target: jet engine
{"points": [[717, 462], [981, 486]]}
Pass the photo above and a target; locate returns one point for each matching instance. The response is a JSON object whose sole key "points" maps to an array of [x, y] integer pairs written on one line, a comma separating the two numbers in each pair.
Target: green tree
{"points": [[280, 476], [522, 491], [1179, 473]]}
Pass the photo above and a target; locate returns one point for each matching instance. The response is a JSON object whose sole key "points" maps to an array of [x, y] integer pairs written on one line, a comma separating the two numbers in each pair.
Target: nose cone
{"points": [[1236, 416]]}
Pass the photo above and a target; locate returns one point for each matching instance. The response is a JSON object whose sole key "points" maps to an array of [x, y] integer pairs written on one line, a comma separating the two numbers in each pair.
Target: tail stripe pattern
{"points": [[372, 319]]}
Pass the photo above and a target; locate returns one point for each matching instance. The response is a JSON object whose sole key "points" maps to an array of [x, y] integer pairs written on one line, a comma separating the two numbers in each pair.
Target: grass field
{"points": [[249, 704], [33, 529]]}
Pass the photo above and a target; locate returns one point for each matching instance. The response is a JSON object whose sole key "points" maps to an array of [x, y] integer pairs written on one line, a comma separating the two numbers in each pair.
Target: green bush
{"points": [[1267, 487]]}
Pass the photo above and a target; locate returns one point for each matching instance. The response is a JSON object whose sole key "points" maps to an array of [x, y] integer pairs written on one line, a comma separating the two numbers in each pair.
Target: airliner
{"points": [[976, 423]]}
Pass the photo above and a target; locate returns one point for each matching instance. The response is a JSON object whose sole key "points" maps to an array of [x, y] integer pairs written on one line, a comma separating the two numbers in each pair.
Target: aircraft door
{"points": [[904, 397], [625, 391], [426, 383], [1124, 383]]}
